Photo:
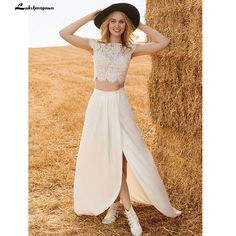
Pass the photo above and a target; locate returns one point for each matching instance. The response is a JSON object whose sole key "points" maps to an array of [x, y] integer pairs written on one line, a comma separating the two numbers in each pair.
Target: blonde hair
{"points": [[127, 36]]}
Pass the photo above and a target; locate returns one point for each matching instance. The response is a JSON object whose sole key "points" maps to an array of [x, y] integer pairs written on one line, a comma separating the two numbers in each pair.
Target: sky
{"points": [[44, 26]]}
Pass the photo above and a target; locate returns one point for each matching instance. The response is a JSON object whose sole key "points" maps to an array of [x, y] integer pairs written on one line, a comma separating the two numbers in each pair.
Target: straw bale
{"points": [[175, 101], [175, 83]]}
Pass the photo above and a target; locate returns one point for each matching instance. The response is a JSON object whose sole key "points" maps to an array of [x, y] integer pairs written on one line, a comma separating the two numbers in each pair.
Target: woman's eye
{"points": [[121, 22]]}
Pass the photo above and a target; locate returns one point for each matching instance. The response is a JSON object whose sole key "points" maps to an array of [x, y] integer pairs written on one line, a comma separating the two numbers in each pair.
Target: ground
{"points": [[60, 84]]}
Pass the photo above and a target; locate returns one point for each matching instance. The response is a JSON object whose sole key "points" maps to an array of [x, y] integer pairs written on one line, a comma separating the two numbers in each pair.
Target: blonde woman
{"points": [[113, 163]]}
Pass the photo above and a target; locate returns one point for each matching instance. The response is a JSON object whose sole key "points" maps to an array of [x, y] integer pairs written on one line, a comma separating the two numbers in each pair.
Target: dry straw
{"points": [[175, 99], [60, 86], [175, 82]]}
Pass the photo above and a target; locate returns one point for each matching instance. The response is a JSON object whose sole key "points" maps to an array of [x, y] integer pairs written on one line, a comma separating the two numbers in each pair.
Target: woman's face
{"points": [[117, 24]]}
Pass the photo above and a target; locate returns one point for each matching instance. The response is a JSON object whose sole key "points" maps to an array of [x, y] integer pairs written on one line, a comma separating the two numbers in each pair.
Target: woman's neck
{"points": [[115, 40]]}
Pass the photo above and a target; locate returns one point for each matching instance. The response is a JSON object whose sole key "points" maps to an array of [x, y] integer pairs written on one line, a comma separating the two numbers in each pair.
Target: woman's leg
{"points": [[124, 192], [112, 215], [124, 169], [132, 218]]}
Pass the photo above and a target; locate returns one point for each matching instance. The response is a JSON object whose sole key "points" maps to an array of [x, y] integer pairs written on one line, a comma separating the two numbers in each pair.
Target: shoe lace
{"points": [[113, 209], [132, 220]]}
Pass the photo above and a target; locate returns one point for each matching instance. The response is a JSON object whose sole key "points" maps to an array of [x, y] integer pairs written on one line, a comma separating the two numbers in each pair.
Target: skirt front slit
{"points": [[110, 129]]}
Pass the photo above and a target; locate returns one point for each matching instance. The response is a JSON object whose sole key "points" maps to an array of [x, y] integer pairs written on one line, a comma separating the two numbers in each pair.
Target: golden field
{"points": [[60, 84]]}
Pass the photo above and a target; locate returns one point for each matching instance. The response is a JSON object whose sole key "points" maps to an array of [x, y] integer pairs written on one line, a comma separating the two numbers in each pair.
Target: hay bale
{"points": [[175, 82], [175, 100]]}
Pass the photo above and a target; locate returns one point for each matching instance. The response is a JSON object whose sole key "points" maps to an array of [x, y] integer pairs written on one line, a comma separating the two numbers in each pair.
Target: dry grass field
{"points": [[60, 84]]}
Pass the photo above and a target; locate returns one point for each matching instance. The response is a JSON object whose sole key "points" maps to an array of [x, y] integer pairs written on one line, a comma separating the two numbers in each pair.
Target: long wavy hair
{"points": [[127, 36]]}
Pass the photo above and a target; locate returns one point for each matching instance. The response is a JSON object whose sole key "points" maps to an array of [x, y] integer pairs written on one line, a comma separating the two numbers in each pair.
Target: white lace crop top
{"points": [[111, 61]]}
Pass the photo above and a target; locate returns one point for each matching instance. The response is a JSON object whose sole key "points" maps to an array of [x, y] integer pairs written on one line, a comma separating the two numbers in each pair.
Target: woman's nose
{"points": [[118, 25]]}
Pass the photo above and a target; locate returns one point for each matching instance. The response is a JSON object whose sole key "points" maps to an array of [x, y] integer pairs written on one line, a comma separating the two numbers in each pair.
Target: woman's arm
{"points": [[67, 32], [159, 41]]}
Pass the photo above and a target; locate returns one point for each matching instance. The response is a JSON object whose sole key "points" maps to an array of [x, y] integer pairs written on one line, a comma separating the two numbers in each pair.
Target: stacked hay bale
{"points": [[175, 93], [175, 83]]}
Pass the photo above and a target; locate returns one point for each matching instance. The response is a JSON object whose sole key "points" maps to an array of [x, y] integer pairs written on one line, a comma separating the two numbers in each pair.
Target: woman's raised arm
{"points": [[67, 33], [159, 41]]}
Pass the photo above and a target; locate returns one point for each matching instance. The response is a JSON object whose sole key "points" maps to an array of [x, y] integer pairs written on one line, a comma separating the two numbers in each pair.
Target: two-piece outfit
{"points": [[110, 129]]}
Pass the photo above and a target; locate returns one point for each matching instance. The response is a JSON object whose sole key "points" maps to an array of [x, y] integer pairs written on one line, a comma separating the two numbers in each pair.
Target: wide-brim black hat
{"points": [[130, 10]]}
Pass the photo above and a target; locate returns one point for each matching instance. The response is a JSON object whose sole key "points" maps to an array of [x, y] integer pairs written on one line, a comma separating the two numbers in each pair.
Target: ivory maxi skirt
{"points": [[110, 129]]}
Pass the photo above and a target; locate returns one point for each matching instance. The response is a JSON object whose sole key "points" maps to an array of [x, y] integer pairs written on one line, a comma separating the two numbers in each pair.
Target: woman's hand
{"points": [[140, 25], [95, 13], [70, 29]]}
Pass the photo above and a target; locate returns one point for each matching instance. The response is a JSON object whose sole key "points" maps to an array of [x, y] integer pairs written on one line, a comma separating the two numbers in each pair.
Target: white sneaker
{"points": [[133, 222], [112, 213]]}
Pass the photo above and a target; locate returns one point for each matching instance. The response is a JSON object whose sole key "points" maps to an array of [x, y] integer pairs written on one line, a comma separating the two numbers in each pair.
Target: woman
{"points": [[113, 163]]}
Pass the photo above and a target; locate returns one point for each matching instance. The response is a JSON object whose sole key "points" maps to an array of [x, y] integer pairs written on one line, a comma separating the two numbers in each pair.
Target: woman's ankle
{"points": [[127, 208]]}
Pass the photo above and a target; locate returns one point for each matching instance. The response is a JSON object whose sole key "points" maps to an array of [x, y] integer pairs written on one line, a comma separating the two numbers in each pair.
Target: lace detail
{"points": [[111, 60]]}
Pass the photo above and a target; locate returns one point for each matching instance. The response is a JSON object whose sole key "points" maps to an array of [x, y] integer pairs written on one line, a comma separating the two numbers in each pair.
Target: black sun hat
{"points": [[130, 10]]}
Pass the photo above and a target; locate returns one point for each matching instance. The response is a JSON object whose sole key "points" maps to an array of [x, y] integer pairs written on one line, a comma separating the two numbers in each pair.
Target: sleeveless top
{"points": [[111, 60]]}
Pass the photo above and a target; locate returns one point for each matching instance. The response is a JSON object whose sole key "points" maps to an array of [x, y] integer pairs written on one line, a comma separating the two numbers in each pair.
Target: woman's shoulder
{"points": [[99, 41], [94, 43], [99, 44], [132, 47], [92, 40]]}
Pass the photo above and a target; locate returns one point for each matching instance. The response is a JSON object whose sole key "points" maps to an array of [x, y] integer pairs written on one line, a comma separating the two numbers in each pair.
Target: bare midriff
{"points": [[108, 86]]}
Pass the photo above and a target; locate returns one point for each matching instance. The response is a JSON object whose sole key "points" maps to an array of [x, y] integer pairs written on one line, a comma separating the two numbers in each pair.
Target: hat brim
{"points": [[130, 10]]}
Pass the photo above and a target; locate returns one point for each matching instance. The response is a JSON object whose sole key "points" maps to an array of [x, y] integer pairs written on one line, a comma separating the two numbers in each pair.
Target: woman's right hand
{"points": [[95, 13]]}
